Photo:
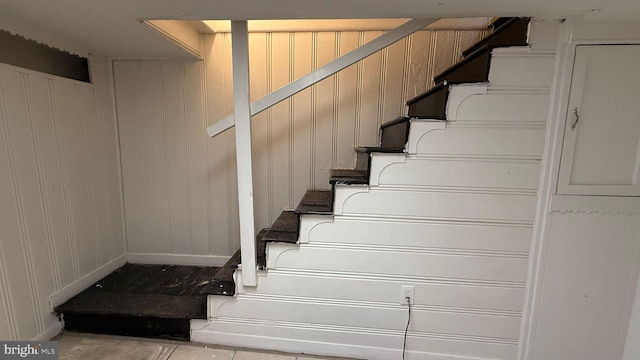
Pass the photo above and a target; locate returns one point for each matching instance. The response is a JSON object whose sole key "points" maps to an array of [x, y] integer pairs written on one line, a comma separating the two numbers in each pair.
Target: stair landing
{"points": [[154, 301]]}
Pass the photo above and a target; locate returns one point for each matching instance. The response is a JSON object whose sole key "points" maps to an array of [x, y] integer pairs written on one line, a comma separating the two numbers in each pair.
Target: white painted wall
{"points": [[60, 198], [180, 186], [632, 344]]}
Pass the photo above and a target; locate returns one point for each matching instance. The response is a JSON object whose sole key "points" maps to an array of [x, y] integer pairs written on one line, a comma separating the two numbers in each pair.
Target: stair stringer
{"points": [[333, 294]]}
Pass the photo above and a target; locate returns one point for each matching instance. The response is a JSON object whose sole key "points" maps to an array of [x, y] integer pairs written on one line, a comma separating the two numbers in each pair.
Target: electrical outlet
{"points": [[406, 291]]}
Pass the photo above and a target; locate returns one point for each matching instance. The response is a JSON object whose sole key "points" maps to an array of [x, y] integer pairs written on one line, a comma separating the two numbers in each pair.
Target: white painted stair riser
{"points": [[521, 67], [384, 289], [421, 234], [460, 266], [344, 341], [502, 207], [477, 103], [474, 139], [369, 315], [454, 173]]}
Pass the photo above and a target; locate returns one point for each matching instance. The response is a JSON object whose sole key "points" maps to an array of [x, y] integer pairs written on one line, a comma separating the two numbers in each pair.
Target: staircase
{"points": [[445, 204]]}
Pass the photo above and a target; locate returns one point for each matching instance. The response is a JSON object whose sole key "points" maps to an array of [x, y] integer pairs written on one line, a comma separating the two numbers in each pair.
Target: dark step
{"points": [[284, 229], [145, 300], [148, 327], [348, 177], [431, 104], [508, 32], [474, 68], [261, 250], [316, 202], [372, 149], [497, 22], [363, 156], [394, 133], [225, 275], [137, 305], [226, 272]]}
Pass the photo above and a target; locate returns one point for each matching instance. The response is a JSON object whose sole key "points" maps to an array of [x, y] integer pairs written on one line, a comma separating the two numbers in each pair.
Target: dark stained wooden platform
{"points": [[159, 298]]}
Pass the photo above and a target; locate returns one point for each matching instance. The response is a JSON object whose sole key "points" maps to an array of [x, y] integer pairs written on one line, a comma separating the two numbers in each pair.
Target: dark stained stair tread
{"points": [[261, 250], [372, 149], [395, 133], [316, 202], [284, 229], [474, 68], [225, 274], [431, 104], [395, 121], [348, 176], [131, 304], [507, 32]]}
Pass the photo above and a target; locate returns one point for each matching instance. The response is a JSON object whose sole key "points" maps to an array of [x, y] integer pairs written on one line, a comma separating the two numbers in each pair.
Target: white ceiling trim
{"points": [[320, 25]]}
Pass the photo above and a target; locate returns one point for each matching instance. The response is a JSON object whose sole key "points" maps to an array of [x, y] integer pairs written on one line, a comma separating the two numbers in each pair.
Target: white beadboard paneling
{"points": [[176, 259], [348, 102], [103, 93], [370, 315], [461, 173], [72, 289], [469, 296], [406, 262], [415, 203], [6, 315], [324, 112], [303, 116], [29, 187], [93, 161], [155, 168], [222, 205], [486, 140], [419, 234], [176, 151], [44, 126], [521, 68], [356, 342], [166, 171], [14, 243], [371, 101], [70, 141], [261, 150], [196, 160], [132, 141], [58, 192]]}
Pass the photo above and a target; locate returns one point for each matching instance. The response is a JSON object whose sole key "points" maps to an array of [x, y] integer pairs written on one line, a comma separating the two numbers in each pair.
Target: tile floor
{"points": [[77, 346]]}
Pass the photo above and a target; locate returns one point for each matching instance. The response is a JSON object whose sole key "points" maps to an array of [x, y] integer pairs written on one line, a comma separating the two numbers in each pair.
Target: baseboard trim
{"points": [[50, 332], [177, 259], [281, 337], [61, 296]]}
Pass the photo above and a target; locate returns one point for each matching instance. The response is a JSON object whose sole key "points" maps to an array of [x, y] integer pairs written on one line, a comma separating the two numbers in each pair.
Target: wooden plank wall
{"points": [[180, 185], [60, 199]]}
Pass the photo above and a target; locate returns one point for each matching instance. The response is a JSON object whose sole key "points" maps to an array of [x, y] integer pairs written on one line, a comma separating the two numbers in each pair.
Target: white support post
{"points": [[325, 71], [242, 110]]}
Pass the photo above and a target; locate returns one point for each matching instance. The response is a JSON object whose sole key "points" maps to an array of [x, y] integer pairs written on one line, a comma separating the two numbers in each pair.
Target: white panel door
{"points": [[600, 155]]}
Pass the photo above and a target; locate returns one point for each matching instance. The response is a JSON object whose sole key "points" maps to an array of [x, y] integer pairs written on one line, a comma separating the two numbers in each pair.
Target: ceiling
{"points": [[115, 27]]}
